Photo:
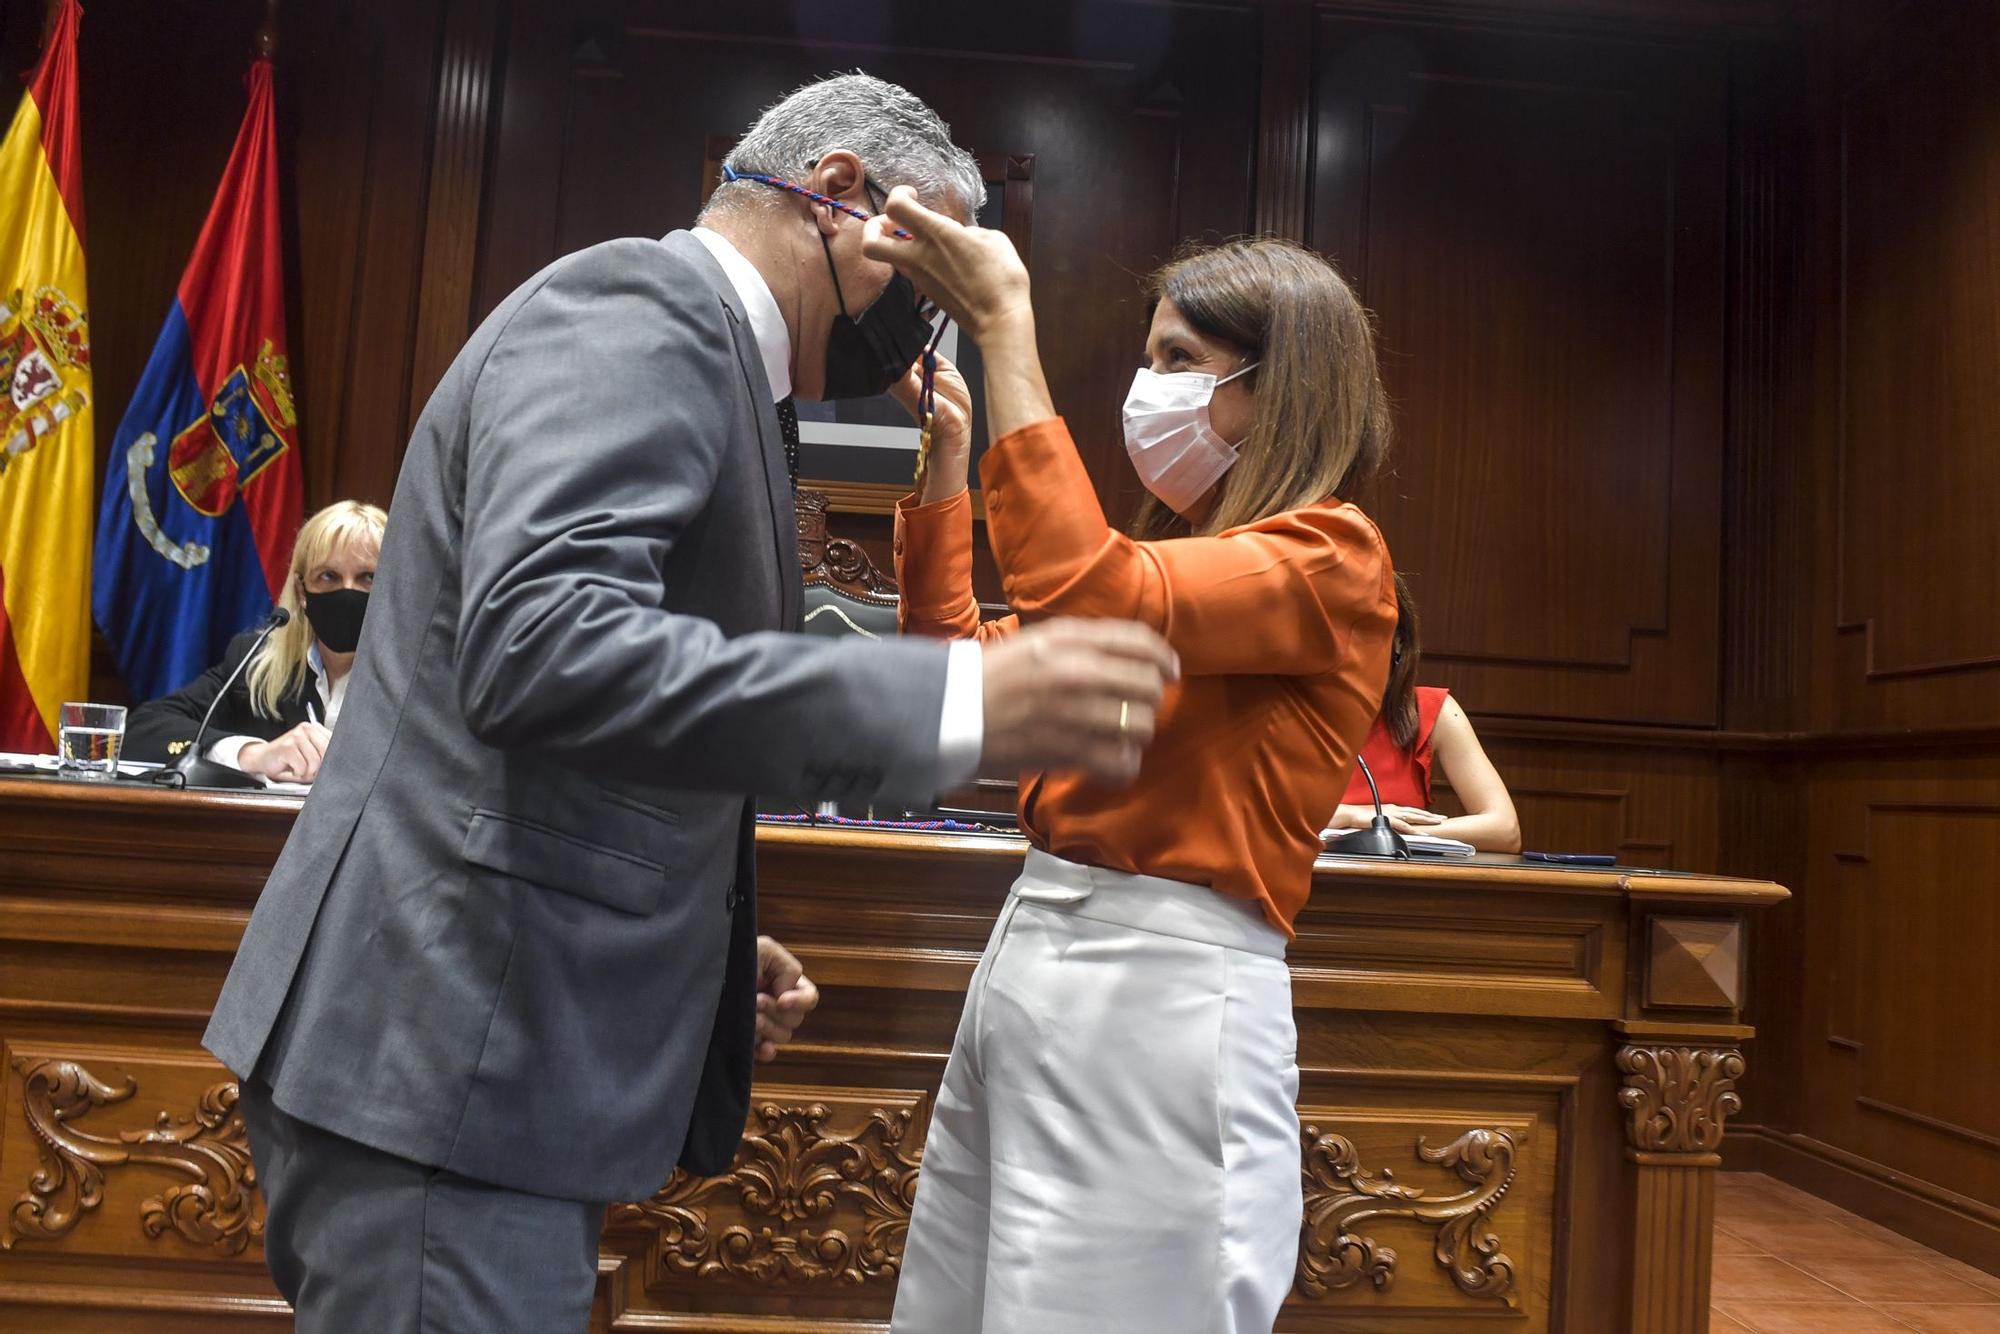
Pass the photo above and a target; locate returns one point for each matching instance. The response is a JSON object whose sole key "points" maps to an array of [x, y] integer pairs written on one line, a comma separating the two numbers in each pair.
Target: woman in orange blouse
{"points": [[1115, 1146], [1421, 727]]}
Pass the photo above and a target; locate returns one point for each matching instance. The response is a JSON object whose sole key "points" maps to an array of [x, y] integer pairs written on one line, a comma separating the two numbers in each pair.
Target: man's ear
{"points": [[838, 175]]}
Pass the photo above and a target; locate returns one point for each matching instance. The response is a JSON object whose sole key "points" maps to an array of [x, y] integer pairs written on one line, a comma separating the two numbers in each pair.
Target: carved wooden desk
{"points": [[1514, 1083]]}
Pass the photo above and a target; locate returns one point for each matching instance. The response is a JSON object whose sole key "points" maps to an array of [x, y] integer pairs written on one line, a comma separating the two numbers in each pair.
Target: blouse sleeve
{"points": [[1277, 597], [934, 572]]}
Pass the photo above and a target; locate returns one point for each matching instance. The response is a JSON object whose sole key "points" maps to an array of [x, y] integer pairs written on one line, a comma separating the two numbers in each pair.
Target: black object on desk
{"points": [[1380, 838], [1571, 858]]}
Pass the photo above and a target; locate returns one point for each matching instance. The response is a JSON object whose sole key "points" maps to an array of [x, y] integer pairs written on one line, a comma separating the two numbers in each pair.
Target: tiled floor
{"points": [[1786, 1261]]}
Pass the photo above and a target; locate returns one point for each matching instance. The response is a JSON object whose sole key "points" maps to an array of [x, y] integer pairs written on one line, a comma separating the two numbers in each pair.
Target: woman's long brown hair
{"points": [[1322, 427], [1399, 700]]}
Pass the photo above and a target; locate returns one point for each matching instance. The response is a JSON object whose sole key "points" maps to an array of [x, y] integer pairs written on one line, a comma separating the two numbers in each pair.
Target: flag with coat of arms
{"points": [[47, 454], [202, 489]]}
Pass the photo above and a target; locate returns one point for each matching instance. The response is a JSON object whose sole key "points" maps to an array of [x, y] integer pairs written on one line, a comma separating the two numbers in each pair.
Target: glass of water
{"points": [[92, 736]]}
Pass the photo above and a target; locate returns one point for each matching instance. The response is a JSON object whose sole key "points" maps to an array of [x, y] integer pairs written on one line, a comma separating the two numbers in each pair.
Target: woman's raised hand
{"points": [[953, 424], [971, 272], [948, 470]]}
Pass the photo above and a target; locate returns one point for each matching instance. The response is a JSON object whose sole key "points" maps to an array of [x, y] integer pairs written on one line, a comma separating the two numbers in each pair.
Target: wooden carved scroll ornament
{"points": [[1341, 1193]]}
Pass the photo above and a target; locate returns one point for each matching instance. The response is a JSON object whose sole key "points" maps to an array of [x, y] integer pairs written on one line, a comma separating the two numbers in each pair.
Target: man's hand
{"points": [[292, 758], [785, 996], [1074, 694]]}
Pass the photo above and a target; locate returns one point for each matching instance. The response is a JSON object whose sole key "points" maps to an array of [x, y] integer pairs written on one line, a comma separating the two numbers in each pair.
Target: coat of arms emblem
{"points": [[45, 365]]}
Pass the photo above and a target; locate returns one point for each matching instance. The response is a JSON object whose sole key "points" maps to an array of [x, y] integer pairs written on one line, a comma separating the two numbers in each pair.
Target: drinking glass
{"points": [[92, 736]]}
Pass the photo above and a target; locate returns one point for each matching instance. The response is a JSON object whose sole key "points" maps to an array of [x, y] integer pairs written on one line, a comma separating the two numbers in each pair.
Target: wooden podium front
{"points": [[1514, 1081]]}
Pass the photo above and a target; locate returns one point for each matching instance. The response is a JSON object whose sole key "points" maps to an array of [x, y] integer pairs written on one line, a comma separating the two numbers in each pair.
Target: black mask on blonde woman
{"points": [[336, 617]]}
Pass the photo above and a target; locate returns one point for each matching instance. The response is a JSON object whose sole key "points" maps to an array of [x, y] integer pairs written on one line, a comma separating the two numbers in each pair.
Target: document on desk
{"points": [[18, 761], [1420, 845], [274, 785], [1430, 845]]}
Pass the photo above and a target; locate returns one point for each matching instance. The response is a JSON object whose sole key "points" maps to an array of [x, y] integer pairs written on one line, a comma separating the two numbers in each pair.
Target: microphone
{"points": [[191, 770], [1380, 839]]}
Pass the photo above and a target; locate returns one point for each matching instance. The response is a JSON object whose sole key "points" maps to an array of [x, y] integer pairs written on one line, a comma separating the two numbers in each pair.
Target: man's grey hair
{"points": [[899, 140]]}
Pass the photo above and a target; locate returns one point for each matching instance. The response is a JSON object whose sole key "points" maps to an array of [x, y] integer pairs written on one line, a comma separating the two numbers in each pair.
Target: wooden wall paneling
{"points": [[1538, 222], [1621, 19], [1880, 1091], [1767, 510], [1904, 982], [1761, 817], [467, 86], [1284, 119], [1916, 544], [1653, 805], [524, 178], [355, 96], [1888, 1047], [613, 144]]}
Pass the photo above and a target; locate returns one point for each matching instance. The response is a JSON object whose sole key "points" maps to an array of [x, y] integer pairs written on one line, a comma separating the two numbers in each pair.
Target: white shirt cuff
{"points": [[228, 749], [962, 724]]}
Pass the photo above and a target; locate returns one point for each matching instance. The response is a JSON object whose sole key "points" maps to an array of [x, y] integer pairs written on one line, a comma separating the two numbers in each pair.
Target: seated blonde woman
{"points": [[278, 715], [1419, 729]]}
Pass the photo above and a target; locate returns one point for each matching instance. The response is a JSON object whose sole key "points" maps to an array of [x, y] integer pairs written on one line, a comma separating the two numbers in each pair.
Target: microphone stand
{"points": [[1380, 839], [191, 770]]}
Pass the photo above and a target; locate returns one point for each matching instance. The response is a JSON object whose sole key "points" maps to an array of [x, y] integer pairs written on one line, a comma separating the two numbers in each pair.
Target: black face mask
{"points": [[865, 355], [336, 617]]}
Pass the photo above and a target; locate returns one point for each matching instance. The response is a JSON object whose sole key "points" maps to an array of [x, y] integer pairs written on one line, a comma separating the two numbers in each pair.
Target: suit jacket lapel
{"points": [[770, 441]]}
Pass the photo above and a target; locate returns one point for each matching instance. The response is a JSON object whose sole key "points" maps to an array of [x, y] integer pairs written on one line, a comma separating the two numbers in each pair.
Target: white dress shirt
{"points": [[229, 749], [962, 725]]}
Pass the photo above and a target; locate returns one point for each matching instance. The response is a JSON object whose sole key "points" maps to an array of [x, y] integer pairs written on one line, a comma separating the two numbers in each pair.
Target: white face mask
{"points": [[1168, 434]]}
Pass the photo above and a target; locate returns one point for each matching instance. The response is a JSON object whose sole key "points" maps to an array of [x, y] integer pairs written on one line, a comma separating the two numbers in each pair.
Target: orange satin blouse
{"points": [[1283, 628]]}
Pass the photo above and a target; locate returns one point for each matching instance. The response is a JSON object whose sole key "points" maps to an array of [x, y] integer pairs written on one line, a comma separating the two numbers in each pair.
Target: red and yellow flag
{"points": [[46, 449]]}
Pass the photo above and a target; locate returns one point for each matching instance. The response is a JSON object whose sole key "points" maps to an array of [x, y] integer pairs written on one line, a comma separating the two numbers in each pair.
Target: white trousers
{"points": [[1116, 1145]]}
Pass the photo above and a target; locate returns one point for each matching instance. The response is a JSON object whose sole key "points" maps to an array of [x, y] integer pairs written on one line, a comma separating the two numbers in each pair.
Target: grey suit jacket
{"points": [[513, 931]]}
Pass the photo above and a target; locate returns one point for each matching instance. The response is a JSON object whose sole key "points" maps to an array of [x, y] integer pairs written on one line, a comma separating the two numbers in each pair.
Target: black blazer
{"points": [[161, 729]]}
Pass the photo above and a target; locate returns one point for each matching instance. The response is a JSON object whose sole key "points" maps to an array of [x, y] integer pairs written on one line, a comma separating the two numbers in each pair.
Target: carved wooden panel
{"points": [[1919, 325], [1539, 226], [123, 1154], [1425, 1209], [817, 1203]]}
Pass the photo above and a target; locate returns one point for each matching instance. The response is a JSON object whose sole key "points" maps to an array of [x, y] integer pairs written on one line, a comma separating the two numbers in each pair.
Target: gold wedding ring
{"points": [[1124, 718]]}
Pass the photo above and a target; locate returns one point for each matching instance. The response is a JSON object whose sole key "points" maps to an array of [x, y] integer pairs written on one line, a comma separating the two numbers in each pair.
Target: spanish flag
{"points": [[46, 450]]}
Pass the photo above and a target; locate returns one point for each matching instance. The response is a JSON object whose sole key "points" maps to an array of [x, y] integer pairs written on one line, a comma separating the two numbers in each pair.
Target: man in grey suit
{"points": [[507, 968]]}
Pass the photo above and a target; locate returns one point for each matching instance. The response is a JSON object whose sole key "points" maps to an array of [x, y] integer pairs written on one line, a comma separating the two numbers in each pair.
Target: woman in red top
{"points": [[1421, 727], [1115, 1147]]}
